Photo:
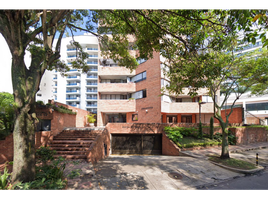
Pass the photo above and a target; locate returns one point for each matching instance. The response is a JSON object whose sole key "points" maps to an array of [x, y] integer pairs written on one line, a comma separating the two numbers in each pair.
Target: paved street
{"points": [[251, 182], [169, 172], [152, 173]]}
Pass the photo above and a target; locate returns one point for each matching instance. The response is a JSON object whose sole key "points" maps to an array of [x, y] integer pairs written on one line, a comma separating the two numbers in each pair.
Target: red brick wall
{"points": [[168, 147], [6, 149], [97, 148], [152, 84], [235, 117], [6, 146], [81, 119], [249, 135], [253, 120], [61, 121]]}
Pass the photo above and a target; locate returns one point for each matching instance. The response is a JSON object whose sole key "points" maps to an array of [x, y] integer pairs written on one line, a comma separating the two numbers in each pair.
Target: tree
{"points": [[35, 31], [7, 113]]}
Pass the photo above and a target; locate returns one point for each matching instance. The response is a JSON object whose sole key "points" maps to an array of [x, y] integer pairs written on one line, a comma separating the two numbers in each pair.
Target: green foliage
{"points": [[211, 127], [91, 118], [49, 172], [7, 114], [4, 179], [231, 138], [234, 163], [61, 109], [44, 154], [200, 130], [74, 173], [189, 142], [176, 133]]}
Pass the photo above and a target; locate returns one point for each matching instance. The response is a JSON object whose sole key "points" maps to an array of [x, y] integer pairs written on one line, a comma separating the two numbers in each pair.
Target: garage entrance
{"points": [[137, 144]]}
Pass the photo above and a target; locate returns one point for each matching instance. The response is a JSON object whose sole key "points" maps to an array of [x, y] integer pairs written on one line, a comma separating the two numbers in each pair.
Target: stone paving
{"points": [[152, 172]]}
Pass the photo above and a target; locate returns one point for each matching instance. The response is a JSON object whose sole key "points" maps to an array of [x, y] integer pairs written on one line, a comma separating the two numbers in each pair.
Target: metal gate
{"points": [[137, 144]]}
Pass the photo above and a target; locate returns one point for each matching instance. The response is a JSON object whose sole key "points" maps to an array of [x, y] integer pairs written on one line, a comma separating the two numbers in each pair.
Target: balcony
{"points": [[92, 77], [91, 91], [92, 62], [92, 56], [91, 106], [109, 71], [71, 49], [186, 107], [92, 49], [117, 87], [54, 91], [72, 98], [72, 84], [73, 77], [92, 84], [72, 91], [92, 98], [111, 106]]}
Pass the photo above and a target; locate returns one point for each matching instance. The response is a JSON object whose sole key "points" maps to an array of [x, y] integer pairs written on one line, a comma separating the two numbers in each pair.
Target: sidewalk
{"points": [[203, 153]]}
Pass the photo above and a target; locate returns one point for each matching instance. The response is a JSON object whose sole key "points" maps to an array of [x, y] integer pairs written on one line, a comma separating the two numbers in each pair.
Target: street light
{"points": [[200, 110]]}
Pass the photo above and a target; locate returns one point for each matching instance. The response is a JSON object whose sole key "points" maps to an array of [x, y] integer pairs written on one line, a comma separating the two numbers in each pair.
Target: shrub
{"points": [[175, 133], [91, 118], [211, 128]]}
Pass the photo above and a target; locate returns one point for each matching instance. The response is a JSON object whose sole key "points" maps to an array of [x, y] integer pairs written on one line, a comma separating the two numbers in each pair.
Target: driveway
{"points": [[148, 173]]}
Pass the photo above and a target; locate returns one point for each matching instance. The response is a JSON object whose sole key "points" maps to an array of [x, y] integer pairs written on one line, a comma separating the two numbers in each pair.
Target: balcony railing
{"points": [[92, 76], [55, 78], [72, 98], [74, 49], [92, 56], [73, 76], [92, 83], [92, 91], [71, 56], [92, 62], [72, 91], [70, 84], [93, 69], [92, 98], [92, 105], [92, 49]]}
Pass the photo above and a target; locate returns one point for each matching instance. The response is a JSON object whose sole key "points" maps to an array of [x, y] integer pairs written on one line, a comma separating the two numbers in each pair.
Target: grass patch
{"points": [[232, 162], [189, 142]]}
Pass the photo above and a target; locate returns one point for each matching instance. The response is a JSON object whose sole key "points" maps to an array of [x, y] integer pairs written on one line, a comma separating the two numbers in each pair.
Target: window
{"points": [[39, 95], [140, 94], [139, 77], [207, 99], [134, 117]]}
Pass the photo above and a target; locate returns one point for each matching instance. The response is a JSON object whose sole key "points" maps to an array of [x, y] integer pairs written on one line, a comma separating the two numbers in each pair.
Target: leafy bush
{"points": [[49, 172], [200, 130], [175, 133], [91, 118], [211, 128], [4, 179]]}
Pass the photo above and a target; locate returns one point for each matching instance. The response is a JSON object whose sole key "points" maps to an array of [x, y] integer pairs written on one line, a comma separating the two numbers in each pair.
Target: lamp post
{"points": [[200, 110]]}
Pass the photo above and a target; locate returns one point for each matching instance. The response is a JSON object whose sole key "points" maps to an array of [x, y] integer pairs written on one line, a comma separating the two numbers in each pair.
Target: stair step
{"points": [[69, 145], [72, 138], [71, 152], [71, 141], [72, 156], [70, 148]]}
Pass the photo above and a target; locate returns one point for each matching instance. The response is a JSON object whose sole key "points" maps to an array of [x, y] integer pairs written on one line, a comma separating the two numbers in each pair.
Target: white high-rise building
{"points": [[76, 89]]}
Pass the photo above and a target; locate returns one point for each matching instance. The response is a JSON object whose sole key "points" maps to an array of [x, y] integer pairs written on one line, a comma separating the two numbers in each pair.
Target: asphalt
{"points": [[135, 172]]}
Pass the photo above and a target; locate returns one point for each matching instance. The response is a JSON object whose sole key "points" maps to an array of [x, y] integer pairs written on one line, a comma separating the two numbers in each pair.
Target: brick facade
{"points": [[59, 121], [235, 117]]}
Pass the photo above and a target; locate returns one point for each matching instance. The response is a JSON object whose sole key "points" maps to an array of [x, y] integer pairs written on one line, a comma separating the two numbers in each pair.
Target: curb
{"points": [[252, 171]]}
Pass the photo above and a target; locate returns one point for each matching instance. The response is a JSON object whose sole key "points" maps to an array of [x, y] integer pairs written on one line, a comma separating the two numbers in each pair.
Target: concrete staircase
{"points": [[73, 143]]}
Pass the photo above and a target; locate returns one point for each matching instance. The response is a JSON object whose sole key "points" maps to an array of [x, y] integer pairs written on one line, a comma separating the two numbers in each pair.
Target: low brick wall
{"points": [[168, 147], [6, 146], [249, 135], [96, 150]]}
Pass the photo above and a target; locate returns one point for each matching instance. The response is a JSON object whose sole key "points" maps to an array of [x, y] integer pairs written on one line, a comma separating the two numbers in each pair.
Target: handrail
{"points": [[263, 121]]}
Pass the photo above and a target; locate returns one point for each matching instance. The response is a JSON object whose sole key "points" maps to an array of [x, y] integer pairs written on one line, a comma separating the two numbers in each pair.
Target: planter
{"points": [[91, 124]]}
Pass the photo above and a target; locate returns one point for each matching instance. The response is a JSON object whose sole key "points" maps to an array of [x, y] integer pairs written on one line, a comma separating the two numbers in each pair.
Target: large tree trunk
{"points": [[24, 136], [225, 145], [24, 147]]}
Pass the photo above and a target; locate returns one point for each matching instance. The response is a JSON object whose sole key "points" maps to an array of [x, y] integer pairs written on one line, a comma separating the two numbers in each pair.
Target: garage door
{"points": [[137, 144]]}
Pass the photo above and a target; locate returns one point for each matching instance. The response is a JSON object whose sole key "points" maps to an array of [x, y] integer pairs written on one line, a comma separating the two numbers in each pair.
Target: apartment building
{"points": [[136, 97], [78, 89], [118, 94]]}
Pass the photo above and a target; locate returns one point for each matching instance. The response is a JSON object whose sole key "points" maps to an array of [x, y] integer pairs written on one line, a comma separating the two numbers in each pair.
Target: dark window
{"points": [[139, 77], [134, 117], [139, 94], [144, 93]]}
